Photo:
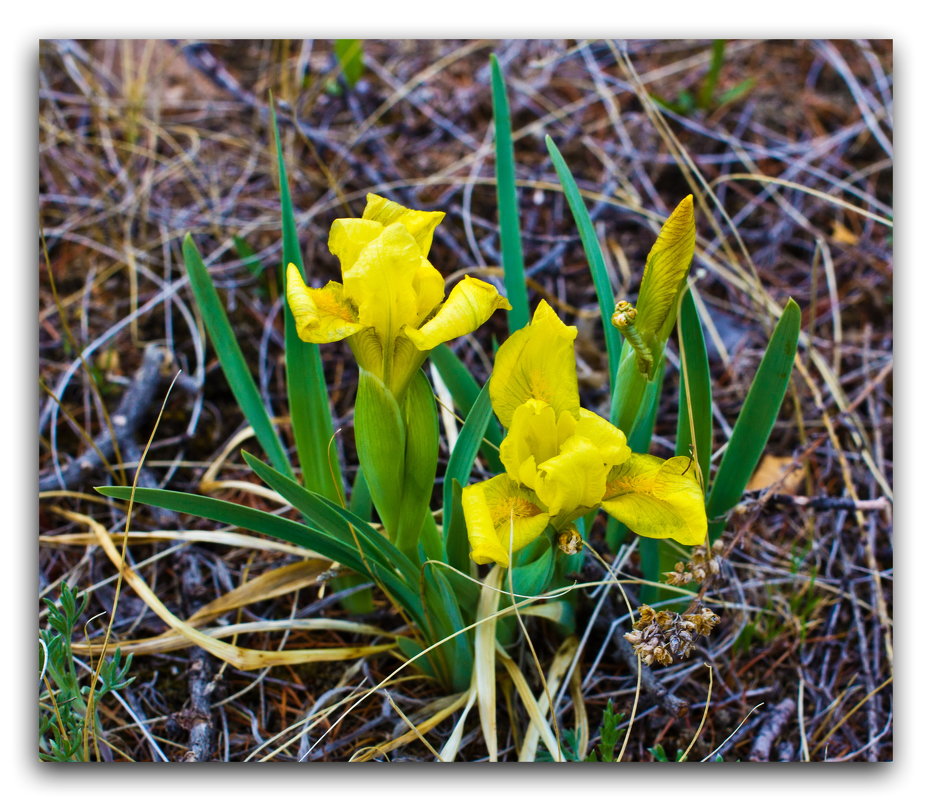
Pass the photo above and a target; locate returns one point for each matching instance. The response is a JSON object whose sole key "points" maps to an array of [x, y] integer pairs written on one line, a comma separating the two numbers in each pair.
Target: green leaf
{"points": [[610, 734], [357, 603], [755, 422], [737, 92], [694, 374], [507, 193], [308, 400], [530, 574], [532, 570], [232, 514], [641, 431], [380, 443], [467, 591], [706, 92], [349, 55], [327, 516], [446, 619], [231, 357], [694, 377], [597, 268], [398, 447], [627, 401], [456, 536], [360, 499], [649, 549], [412, 650], [422, 444], [248, 255], [458, 471], [465, 390]]}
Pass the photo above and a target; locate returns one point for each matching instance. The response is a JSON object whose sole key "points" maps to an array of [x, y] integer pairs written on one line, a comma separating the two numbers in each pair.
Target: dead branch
{"points": [[770, 730], [126, 419]]}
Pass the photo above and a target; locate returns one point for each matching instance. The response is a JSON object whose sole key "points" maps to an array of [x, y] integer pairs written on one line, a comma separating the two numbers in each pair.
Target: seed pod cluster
{"points": [[663, 636], [703, 564]]}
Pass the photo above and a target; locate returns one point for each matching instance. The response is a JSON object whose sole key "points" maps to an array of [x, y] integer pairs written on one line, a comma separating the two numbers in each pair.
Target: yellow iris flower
{"points": [[390, 305], [562, 461]]}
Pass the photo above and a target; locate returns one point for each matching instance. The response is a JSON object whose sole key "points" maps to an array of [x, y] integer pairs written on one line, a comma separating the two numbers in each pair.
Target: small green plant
{"points": [[609, 735], [707, 96], [659, 753], [349, 55], [67, 702]]}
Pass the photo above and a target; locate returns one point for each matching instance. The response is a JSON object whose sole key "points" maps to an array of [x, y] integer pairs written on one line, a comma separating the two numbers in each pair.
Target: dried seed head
{"points": [[704, 622], [569, 541], [703, 564], [660, 636], [662, 655]]}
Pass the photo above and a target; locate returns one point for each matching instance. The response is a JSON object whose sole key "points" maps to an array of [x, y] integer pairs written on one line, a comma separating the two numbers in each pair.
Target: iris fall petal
{"points": [[501, 518], [657, 498], [470, 304], [321, 315]]}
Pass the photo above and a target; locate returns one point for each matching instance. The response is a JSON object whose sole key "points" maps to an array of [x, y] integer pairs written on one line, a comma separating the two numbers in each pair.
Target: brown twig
{"points": [[126, 419], [196, 717], [770, 730], [820, 503]]}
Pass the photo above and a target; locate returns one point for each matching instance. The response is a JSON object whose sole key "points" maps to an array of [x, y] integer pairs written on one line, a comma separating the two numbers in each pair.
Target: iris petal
{"points": [[501, 518], [532, 436], [657, 498], [428, 289], [380, 282], [321, 315], [348, 236], [573, 479], [536, 362], [665, 273], [470, 304], [611, 441], [420, 224]]}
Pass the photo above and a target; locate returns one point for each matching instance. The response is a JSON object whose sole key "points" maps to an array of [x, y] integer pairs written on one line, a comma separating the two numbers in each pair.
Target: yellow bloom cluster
{"points": [[390, 305], [562, 461]]}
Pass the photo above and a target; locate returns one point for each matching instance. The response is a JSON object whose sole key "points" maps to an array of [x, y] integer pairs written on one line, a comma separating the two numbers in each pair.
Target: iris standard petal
{"points": [[501, 518], [573, 479], [428, 289], [420, 224], [531, 439], [348, 236], [470, 304], [610, 441], [380, 282], [321, 315], [538, 362], [657, 498]]}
